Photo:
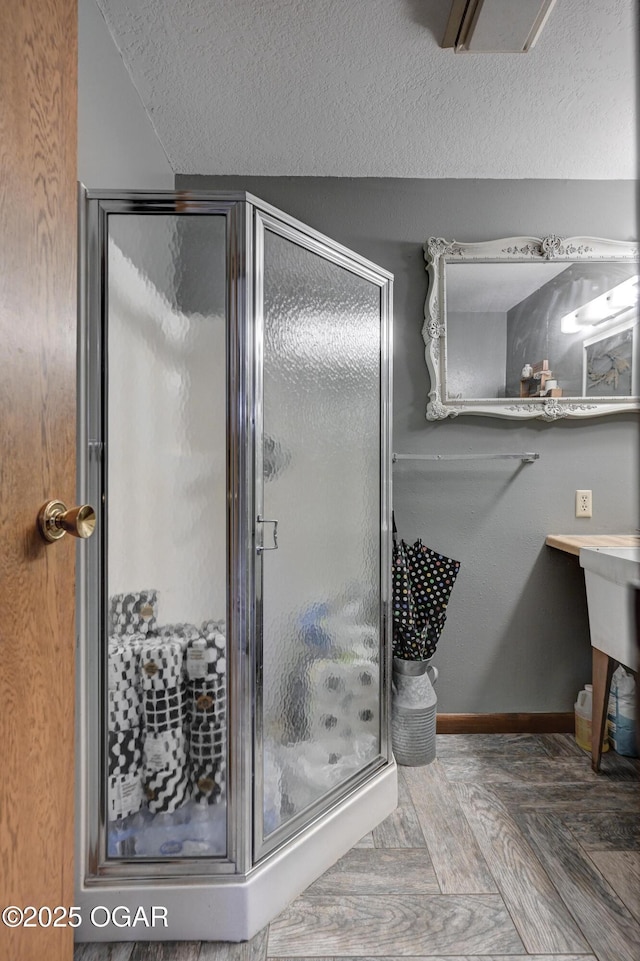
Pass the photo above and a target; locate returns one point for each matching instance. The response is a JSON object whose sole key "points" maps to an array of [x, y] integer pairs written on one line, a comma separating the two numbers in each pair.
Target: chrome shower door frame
{"points": [[94, 210]]}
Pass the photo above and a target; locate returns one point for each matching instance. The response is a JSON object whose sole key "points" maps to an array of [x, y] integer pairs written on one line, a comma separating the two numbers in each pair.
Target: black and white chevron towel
{"points": [[160, 664], [207, 699], [136, 642], [125, 752], [207, 782], [161, 681], [123, 709], [202, 657], [122, 665], [180, 634], [209, 628], [205, 662], [186, 631], [166, 772], [133, 613], [124, 794], [166, 790]]}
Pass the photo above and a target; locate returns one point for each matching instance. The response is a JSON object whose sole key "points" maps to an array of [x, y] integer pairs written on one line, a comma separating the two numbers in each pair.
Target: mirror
{"points": [[528, 327]]}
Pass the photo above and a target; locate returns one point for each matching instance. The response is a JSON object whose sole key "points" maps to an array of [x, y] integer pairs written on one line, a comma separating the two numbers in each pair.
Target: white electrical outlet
{"points": [[583, 504]]}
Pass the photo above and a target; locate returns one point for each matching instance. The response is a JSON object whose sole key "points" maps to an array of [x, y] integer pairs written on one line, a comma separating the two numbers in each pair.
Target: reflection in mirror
{"points": [[532, 328]]}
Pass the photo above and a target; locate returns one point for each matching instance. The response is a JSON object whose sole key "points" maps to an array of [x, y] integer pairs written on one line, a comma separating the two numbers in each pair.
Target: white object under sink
{"points": [[611, 574]]}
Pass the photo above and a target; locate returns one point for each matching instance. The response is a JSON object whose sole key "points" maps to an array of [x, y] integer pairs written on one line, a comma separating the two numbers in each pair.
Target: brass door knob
{"points": [[54, 520]]}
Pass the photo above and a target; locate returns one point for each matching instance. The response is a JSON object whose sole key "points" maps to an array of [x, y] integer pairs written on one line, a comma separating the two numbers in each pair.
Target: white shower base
{"points": [[235, 908]]}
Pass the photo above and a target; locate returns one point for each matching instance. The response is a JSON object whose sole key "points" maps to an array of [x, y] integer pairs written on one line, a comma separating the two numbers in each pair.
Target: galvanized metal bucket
{"points": [[413, 712]]}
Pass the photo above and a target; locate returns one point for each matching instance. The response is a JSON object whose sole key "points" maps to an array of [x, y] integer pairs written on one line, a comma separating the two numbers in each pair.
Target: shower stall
{"points": [[234, 662]]}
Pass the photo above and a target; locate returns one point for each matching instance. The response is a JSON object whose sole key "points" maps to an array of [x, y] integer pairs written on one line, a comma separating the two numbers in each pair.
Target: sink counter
{"points": [[611, 563], [573, 543]]}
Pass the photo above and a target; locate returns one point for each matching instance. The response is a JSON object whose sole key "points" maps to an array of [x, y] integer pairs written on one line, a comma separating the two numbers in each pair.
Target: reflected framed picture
{"points": [[610, 362]]}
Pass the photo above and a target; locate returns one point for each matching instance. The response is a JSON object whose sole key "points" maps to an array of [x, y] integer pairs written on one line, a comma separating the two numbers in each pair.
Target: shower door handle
{"points": [[264, 520]]}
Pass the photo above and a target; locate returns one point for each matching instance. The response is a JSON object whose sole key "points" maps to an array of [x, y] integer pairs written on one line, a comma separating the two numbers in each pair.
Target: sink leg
{"points": [[602, 668]]}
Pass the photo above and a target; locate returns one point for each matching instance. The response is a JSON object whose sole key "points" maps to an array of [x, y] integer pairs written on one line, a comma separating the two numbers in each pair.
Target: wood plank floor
{"points": [[505, 848]]}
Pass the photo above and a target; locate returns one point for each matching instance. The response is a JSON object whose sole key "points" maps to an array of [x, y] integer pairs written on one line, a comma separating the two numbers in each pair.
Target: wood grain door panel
{"points": [[38, 52]]}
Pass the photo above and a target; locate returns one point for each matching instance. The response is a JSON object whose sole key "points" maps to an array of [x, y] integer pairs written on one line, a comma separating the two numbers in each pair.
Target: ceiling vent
{"points": [[495, 26]]}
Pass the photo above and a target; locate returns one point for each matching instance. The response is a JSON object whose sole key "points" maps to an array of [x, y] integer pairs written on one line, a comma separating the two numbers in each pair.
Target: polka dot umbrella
{"points": [[422, 584]]}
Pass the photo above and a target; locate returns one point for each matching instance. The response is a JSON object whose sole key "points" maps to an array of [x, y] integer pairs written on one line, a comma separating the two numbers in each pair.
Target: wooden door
{"points": [[38, 44]]}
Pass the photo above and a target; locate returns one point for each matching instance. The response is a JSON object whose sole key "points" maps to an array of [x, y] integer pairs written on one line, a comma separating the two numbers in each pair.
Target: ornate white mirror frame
{"points": [[548, 404]]}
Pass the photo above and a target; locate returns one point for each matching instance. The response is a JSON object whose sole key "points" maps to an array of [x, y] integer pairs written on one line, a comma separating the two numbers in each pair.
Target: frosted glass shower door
{"points": [[165, 529], [322, 580]]}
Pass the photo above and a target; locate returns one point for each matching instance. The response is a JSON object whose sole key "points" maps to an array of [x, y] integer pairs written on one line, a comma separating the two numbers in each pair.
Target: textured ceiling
{"points": [[361, 88]]}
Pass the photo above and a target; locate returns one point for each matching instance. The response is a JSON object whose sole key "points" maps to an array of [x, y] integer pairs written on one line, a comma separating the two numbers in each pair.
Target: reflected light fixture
{"points": [[603, 309], [495, 26]]}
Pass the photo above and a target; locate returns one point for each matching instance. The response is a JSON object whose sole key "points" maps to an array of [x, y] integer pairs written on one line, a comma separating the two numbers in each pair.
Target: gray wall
{"points": [[534, 332], [476, 354], [117, 144], [517, 634]]}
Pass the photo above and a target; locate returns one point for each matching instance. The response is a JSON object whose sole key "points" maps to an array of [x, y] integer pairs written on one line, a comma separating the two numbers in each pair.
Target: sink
{"points": [[611, 575]]}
